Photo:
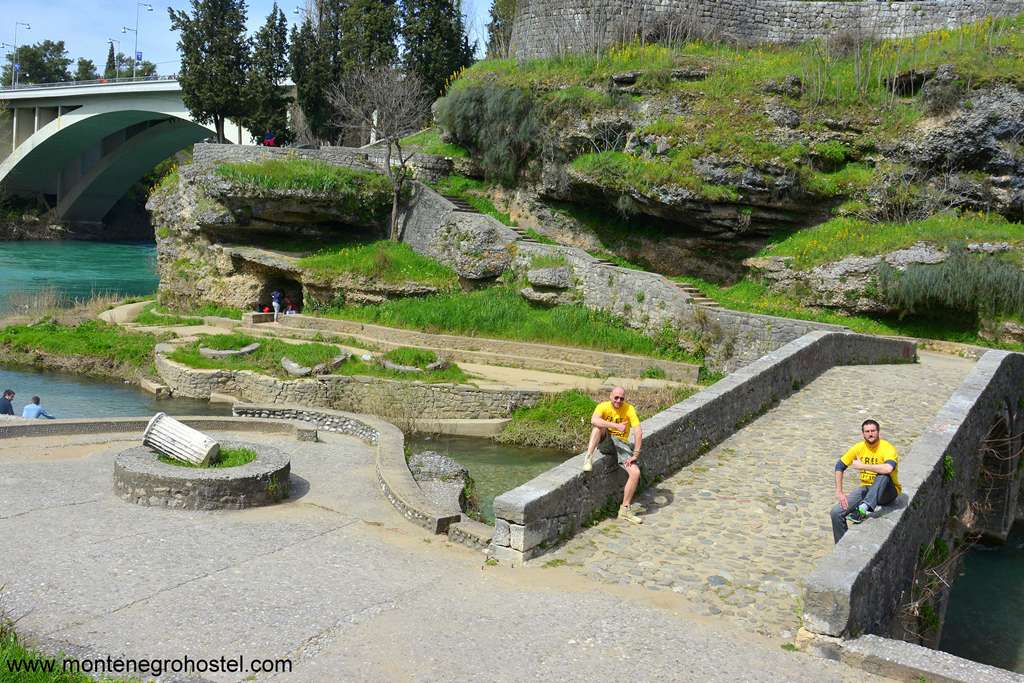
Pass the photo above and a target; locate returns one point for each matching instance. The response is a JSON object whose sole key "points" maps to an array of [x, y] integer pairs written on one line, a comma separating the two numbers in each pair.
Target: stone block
{"points": [[557, 278], [502, 533], [506, 556]]}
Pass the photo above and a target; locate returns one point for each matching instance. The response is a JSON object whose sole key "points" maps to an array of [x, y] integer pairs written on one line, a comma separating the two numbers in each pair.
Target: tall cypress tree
{"points": [[268, 102], [110, 70], [499, 30], [215, 57], [316, 66], [368, 29], [436, 45]]}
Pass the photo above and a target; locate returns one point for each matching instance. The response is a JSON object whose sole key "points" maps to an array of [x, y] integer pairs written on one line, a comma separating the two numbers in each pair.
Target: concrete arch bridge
{"points": [[82, 146]]}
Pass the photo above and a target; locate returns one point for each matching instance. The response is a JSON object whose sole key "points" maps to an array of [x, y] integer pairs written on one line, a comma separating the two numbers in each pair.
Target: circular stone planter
{"points": [[142, 479]]}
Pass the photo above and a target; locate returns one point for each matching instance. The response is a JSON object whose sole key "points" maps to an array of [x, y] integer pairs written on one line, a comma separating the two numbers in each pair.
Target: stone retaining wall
{"points": [[393, 476], [142, 479], [496, 351], [558, 502], [941, 476], [393, 399], [475, 245], [544, 28]]}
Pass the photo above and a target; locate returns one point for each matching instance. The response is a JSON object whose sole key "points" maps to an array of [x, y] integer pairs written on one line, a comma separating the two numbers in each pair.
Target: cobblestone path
{"points": [[737, 530]]}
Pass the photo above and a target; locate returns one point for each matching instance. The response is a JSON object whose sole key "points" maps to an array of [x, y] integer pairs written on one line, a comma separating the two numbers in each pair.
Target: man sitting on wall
{"points": [[877, 462], [612, 420], [34, 410]]}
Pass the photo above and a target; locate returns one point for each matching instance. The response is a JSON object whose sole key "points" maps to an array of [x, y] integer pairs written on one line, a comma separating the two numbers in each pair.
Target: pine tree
{"points": [[435, 41], [499, 30], [110, 70], [268, 102], [215, 56], [85, 70]]}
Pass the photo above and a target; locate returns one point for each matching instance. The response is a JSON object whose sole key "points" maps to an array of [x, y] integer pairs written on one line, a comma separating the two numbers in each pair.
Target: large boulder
{"points": [[442, 480], [555, 278]]}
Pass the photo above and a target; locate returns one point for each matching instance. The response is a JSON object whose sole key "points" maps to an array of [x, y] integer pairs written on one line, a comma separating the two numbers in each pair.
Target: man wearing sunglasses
{"points": [[612, 421]]}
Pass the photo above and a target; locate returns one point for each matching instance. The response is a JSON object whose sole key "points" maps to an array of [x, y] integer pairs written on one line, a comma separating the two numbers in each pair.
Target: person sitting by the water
{"points": [[34, 410], [6, 408], [877, 461]]}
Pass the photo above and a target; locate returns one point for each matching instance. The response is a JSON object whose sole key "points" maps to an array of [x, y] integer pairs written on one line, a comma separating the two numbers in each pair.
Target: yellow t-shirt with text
{"points": [[879, 454], [606, 411]]}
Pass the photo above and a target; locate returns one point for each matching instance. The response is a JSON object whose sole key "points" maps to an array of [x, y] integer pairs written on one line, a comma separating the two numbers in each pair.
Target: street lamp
{"points": [[125, 29], [117, 51], [14, 55]]}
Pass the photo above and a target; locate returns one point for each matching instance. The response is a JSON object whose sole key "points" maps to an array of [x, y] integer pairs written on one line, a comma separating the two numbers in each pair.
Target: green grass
{"points": [[500, 312], [418, 358], [548, 261], [756, 297], [227, 457], [842, 237], [624, 173], [537, 237], [361, 194], [218, 311], [267, 359], [11, 650], [562, 420], [848, 180], [429, 142], [725, 113], [154, 315], [472, 192], [92, 339], [393, 262]]}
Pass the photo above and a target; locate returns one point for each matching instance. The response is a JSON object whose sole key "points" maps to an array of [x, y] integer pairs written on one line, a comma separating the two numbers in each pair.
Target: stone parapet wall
{"points": [[559, 501], [545, 28], [941, 476], [391, 399], [429, 167]]}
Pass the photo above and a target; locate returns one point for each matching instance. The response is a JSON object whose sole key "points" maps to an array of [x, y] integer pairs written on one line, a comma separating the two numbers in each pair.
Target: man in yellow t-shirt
{"points": [[612, 422], [877, 461]]}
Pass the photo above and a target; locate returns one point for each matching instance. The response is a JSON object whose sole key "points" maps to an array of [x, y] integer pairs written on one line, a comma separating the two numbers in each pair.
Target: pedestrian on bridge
{"points": [[612, 422], [877, 461]]}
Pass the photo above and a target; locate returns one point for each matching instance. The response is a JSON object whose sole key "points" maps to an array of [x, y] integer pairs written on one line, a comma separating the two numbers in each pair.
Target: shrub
{"points": [[498, 122], [419, 358], [978, 285]]}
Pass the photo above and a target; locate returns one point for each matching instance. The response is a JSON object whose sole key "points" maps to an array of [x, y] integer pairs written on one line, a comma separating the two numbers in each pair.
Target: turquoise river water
{"points": [[984, 621], [75, 270]]}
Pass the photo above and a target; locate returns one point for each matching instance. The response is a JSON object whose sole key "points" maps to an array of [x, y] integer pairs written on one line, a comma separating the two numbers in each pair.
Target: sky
{"points": [[86, 25]]}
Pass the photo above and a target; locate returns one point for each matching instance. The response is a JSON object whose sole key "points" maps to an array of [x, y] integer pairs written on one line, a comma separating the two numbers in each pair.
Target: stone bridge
{"points": [[741, 480], [82, 146]]}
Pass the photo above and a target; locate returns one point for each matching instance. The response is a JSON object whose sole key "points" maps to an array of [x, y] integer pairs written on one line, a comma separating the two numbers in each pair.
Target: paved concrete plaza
{"points": [[737, 530], [335, 579]]}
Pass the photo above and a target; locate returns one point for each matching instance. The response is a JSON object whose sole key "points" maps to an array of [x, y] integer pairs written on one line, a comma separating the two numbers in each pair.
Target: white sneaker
{"points": [[627, 514], [588, 462]]}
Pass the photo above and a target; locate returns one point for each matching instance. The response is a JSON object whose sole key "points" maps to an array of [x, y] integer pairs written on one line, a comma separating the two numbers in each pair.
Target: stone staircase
{"points": [[697, 298], [692, 293]]}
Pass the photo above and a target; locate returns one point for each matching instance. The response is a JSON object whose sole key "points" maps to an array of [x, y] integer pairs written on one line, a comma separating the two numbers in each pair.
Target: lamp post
{"points": [[125, 29], [14, 55], [117, 51]]}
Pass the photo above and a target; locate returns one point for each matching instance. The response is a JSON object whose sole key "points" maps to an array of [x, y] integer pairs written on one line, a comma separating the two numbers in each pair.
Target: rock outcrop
{"points": [[442, 480]]}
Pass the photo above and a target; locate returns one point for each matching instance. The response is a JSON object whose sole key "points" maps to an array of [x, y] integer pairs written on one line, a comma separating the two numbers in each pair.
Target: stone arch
{"points": [[94, 151]]}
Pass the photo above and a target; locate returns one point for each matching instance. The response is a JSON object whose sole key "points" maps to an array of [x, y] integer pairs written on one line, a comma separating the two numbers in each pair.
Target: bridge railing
{"points": [[97, 81]]}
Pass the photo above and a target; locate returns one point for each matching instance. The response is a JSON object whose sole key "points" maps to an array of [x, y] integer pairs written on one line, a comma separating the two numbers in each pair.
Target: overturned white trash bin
{"points": [[179, 441]]}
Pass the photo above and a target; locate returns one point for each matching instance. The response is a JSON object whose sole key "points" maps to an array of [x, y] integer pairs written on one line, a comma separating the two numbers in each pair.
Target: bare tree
{"points": [[390, 103]]}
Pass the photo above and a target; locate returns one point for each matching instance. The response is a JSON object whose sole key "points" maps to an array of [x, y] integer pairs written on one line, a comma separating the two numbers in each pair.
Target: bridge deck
{"points": [[736, 531]]}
